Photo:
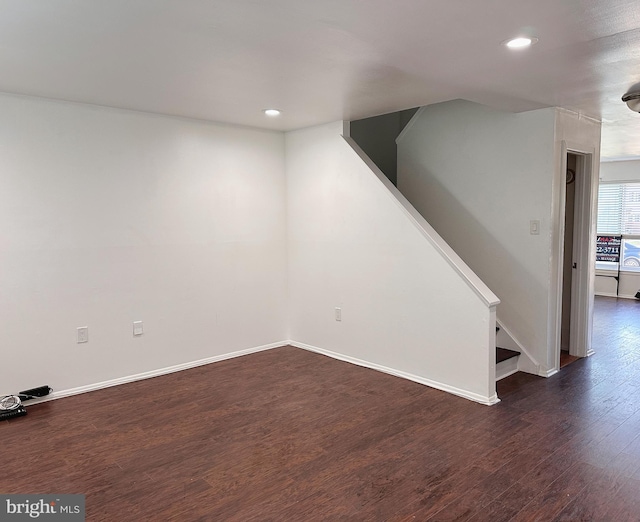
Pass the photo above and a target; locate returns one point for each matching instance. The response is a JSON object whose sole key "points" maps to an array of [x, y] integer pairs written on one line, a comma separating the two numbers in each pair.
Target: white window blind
{"points": [[619, 208]]}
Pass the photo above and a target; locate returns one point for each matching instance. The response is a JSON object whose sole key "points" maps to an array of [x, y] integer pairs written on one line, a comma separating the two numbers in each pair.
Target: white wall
{"points": [[480, 176], [352, 245], [112, 216]]}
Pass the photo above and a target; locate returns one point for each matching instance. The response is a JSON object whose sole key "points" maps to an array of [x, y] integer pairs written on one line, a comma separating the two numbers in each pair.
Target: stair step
{"points": [[503, 354]]}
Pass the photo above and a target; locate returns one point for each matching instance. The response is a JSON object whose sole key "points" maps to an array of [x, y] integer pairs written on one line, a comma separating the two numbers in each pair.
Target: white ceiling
{"points": [[325, 60]]}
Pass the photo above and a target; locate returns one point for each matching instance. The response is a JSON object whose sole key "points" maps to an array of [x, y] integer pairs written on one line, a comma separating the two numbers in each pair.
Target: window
{"points": [[631, 255], [609, 209], [619, 214]]}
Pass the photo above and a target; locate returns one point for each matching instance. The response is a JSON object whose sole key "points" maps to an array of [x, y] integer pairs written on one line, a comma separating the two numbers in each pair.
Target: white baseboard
{"points": [[154, 373], [489, 401], [606, 294]]}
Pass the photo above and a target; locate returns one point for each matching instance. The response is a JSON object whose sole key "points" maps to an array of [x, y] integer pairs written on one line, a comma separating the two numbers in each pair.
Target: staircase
{"points": [[506, 361]]}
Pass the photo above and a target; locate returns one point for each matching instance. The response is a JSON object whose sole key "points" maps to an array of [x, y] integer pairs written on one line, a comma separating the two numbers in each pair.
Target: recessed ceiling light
{"points": [[520, 42], [272, 112]]}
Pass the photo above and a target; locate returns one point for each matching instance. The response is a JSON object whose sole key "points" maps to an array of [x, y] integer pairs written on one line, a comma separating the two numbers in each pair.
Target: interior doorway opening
{"points": [[577, 268], [568, 263]]}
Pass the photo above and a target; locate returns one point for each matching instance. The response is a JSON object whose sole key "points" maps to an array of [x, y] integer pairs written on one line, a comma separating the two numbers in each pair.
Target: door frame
{"points": [[583, 278]]}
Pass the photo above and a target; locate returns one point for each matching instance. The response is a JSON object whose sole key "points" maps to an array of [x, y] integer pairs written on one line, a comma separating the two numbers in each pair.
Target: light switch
{"points": [[82, 335], [137, 328], [534, 227]]}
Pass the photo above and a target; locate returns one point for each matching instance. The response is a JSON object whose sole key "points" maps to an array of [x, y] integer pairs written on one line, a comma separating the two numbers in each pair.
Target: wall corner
{"points": [[346, 129]]}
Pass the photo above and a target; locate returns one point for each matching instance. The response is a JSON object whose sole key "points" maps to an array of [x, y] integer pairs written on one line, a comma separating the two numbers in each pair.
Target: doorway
{"points": [[568, 263], [576, 262]]}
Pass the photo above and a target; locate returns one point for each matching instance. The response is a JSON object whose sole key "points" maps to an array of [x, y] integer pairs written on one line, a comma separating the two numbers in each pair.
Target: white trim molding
{"points": [[488, 401], [155, 373]]}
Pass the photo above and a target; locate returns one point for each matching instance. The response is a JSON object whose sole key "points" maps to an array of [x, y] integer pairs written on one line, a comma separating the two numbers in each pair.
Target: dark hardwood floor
{"points": [[566, 358], [288, 435]]}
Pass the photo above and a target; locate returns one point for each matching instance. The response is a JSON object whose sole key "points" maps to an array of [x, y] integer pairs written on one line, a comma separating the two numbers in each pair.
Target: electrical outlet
{"points": [[137, 328], [83, 334], [338, 314]]}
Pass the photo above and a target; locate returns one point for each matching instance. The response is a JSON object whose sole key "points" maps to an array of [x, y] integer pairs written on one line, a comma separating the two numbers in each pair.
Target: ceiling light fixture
{"points": [[272, 112], [521, 42], [632, 99]]}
